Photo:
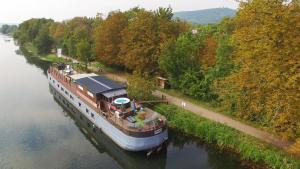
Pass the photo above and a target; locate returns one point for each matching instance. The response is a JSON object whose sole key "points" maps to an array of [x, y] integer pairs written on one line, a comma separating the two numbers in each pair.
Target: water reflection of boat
{"points": [[128, 160]]}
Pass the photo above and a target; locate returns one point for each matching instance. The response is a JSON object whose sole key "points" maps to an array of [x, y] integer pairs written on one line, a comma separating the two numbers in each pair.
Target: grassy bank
{"points": [[29, 47], [248, 147], [52, 58]]}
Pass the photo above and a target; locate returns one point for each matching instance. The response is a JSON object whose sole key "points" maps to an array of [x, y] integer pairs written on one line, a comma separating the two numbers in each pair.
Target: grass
{"points": [[52, 58], [248, 147], [206, 105], [31, 49]]}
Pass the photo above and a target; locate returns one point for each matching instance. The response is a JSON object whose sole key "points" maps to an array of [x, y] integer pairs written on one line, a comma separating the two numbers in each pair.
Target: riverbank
{"points": [[248, 147]]}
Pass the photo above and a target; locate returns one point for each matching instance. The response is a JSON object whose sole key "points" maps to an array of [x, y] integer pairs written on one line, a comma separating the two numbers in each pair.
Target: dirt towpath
{"points": [[196, 109]]}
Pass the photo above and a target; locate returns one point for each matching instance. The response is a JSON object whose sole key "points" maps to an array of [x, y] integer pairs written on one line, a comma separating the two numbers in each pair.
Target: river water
{"points": [[38, 132]]}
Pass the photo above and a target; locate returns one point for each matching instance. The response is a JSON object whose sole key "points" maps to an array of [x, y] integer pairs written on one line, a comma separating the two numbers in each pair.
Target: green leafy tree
{"points": [[8, 29], [164, 13], [178, 57], [29, 30], [76, 30], [43, 41], [84, 52], [140, 87]]}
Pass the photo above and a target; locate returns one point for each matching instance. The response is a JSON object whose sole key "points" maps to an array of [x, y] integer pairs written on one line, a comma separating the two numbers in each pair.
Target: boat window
{"points": [[71, 97], [79, 104], [87, 110], [50, 78], [53, 81], [57, 85], [62, 89], [92, 115]]}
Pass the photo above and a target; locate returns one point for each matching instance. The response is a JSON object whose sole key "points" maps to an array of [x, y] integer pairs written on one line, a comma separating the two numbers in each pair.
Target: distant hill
{"points": [[205, 16]]}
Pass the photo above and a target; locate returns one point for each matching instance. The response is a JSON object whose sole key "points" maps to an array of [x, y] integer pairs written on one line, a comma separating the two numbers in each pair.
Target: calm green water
{"points": [[38, 132]]}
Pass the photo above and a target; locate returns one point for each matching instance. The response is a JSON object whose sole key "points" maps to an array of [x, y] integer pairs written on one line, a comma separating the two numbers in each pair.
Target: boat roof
{"points": [[111, 94], [99, 84], [83, 75]]}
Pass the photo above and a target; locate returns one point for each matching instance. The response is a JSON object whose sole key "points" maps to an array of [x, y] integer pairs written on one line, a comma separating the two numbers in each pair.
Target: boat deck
{"points": [[148, 128]]}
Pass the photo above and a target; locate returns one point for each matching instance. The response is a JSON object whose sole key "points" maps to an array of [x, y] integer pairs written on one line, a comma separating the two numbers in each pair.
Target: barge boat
{"points": [[106, 105]]}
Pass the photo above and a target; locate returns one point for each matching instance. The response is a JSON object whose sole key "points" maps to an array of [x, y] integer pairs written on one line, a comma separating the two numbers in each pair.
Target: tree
{"points": [[145, 36], [109, 38], [164, 13], [8, 29], [295, 148], [207, 57], [139, 50], [267, 54], [57, 32], [178, 57], [43, 41], [84, 52], [29, 30], [76, 30], [140, 87]]}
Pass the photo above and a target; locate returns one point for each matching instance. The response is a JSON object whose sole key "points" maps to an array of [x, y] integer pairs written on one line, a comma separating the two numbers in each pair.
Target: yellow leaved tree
{"points": [[295, 148], [265, 85]]}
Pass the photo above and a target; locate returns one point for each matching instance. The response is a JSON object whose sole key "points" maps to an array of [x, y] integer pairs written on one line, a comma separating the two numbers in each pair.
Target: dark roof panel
{"points": [[99, 84]]}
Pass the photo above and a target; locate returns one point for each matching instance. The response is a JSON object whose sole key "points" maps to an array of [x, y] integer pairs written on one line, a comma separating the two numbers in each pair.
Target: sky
{"points": [[16, 11]]}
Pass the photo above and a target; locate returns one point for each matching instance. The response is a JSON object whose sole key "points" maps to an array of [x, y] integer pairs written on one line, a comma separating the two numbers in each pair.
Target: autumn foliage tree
{"points": [[145, 36], [57, 32], [108, 38], [265, 87], [139, 49], [295, 148]]}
